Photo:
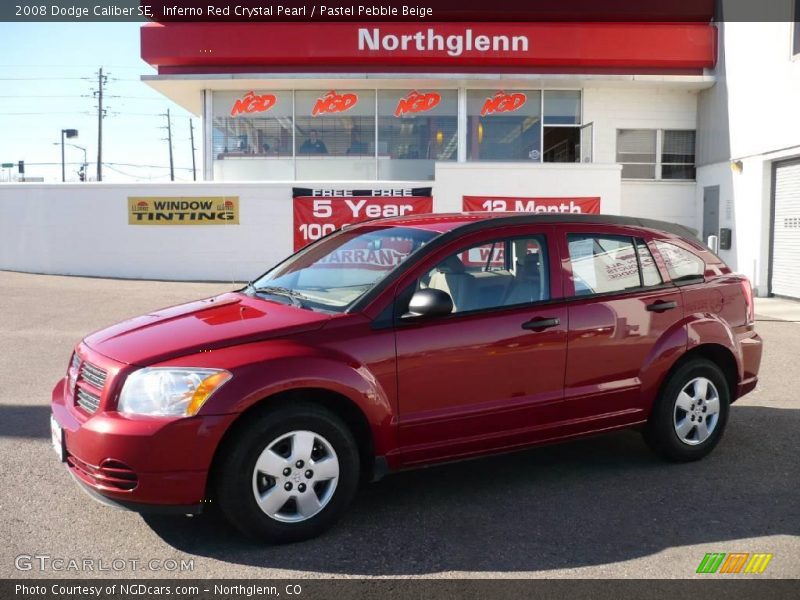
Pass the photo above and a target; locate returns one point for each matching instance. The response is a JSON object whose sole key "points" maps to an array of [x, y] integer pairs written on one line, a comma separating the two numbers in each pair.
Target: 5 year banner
{"points": [[318, 212]]}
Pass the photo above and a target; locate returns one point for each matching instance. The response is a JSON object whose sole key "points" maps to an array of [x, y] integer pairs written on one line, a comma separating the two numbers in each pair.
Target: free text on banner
{"points": [[588, 205], [318, 212]]}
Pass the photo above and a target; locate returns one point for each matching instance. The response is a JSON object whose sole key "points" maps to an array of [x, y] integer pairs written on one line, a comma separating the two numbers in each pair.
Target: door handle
{"points": [[662, 306], [539, 324]]}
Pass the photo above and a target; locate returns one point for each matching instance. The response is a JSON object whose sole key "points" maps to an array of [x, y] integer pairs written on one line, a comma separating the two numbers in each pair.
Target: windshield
{"points": [[335, 272]]}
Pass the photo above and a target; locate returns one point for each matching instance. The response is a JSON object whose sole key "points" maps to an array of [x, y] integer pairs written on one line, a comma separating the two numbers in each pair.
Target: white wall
{"points": [[82, 229], [753, 121]]}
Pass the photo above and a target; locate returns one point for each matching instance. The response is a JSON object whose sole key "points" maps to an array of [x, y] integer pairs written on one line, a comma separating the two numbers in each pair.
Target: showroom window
{"points": [[331, 125], [656, 153], [249, 125], [416, 128], [504, 125]]}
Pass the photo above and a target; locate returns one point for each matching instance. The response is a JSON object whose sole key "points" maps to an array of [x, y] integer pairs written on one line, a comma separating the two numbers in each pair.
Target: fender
{"points": [[662, 356], [263, 369], [693, 331]]}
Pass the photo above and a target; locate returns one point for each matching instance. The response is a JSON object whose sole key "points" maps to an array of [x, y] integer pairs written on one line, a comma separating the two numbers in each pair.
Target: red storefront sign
{"points": [[318, 212], [502, 102], [415, 102], [198, 47], [585, 205], [251, 103], [332, 103]]}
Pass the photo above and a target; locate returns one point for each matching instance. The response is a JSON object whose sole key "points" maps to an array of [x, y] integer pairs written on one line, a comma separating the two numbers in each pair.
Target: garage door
{"points": [[786, 231]]}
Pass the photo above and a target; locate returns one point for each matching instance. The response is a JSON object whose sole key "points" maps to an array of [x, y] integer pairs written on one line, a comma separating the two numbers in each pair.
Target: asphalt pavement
{"points": [[599, 507]]}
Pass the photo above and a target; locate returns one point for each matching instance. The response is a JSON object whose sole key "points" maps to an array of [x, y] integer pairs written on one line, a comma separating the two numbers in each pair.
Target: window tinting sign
{"points": [[185, 210]]}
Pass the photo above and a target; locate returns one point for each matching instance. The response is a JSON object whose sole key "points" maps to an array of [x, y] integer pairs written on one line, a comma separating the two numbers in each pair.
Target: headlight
{"points": [[164, 391], [72, 372]]}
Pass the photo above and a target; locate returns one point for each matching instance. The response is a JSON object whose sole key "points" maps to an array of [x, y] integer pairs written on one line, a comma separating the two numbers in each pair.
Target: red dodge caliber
{"points": [[402, 342]]}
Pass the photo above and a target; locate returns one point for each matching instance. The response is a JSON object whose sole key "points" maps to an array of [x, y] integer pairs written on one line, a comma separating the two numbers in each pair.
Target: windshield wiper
{"points": [[293, 295]]}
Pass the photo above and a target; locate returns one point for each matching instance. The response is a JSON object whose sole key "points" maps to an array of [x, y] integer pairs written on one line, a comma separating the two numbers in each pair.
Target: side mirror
{"points": [[429, 303]]}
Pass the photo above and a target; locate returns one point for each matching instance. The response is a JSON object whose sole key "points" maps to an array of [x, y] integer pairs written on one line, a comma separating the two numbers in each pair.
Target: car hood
{"points": [[225, 320]]}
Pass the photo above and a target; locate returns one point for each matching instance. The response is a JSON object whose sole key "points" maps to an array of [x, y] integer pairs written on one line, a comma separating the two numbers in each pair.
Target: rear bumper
{"points": [[750, 350], [141, 464]]}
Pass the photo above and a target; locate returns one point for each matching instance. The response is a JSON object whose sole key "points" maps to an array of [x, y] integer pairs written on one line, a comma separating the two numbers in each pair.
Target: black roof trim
{"points": [[546, 218]]}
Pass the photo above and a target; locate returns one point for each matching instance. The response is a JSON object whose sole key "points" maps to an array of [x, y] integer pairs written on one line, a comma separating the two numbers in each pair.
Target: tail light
{"points": [[750, 308]]}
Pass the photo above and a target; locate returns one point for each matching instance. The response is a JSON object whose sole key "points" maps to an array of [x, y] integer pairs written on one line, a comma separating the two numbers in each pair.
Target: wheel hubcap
{"points": [[696, 411], [295, 476]]}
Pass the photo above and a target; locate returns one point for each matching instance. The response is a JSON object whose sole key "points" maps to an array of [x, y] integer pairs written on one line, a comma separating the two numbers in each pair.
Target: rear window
{"points": [[681, 264]]}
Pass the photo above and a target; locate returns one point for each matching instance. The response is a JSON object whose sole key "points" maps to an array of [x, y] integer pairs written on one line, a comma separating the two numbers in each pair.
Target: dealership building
{"points": [[692, 120]]}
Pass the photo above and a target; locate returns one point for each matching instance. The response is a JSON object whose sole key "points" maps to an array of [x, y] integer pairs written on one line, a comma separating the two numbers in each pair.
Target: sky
{"points": [[48, 72]]}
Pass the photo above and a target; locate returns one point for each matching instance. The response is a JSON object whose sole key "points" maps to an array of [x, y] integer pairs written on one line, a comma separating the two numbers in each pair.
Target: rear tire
{"points": [[690, 413], [289, 474]]}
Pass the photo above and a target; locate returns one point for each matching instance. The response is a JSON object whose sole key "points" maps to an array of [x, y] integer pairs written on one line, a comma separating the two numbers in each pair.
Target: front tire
{"points": [[690, 413], [289, 474]]}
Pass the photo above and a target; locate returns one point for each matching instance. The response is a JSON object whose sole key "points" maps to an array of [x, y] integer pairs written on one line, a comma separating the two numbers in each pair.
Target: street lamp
{"points": [[85, 164], [69, 134]]}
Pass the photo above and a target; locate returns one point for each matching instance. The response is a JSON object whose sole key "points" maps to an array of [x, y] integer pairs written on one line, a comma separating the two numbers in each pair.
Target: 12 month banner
{"points": [[584, 205], [183, 210], [318, 212]]}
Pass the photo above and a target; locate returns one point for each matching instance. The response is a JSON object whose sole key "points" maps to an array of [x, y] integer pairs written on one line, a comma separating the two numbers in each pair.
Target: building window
{"points": [[656, 154], [331, 124], [562, 118], [677, 154], [416, 128], [504, 125], [252, 123]]}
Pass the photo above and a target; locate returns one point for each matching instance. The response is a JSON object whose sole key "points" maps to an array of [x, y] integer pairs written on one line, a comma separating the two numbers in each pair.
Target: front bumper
{"points": [[137, 462]]}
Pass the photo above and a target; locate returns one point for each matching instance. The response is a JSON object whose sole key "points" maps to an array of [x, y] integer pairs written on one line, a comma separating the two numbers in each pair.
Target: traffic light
{"points": [[21, 167], [82, 173]]}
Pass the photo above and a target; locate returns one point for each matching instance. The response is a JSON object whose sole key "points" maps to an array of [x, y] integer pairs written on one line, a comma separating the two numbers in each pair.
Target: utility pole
{"points": [[169, 141], [101, 82], [191, 136]]}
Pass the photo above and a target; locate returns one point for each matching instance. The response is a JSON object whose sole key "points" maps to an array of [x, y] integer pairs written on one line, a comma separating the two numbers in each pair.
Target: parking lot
{"points": [[601, 507]]}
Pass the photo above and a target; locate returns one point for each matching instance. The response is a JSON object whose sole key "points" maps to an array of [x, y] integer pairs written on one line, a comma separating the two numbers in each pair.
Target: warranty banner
{"points": [[588, 205], [183, 210], [318, 212]]}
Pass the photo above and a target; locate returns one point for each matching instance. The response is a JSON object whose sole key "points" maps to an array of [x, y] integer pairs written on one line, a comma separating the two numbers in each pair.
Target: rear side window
{"points": [[682, 265]]}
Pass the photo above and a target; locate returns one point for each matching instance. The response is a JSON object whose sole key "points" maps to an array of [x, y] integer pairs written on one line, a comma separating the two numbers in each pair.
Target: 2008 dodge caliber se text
{"points": [[402, 342]]}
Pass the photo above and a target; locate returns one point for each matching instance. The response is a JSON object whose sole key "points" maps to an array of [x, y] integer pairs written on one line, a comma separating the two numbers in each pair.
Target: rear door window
{"points": [[602, 264]]}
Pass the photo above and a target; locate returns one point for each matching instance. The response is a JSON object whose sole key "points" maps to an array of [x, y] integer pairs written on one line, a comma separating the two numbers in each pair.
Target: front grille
{"points": [[86, 400], [111, 474], [93, 375]]}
